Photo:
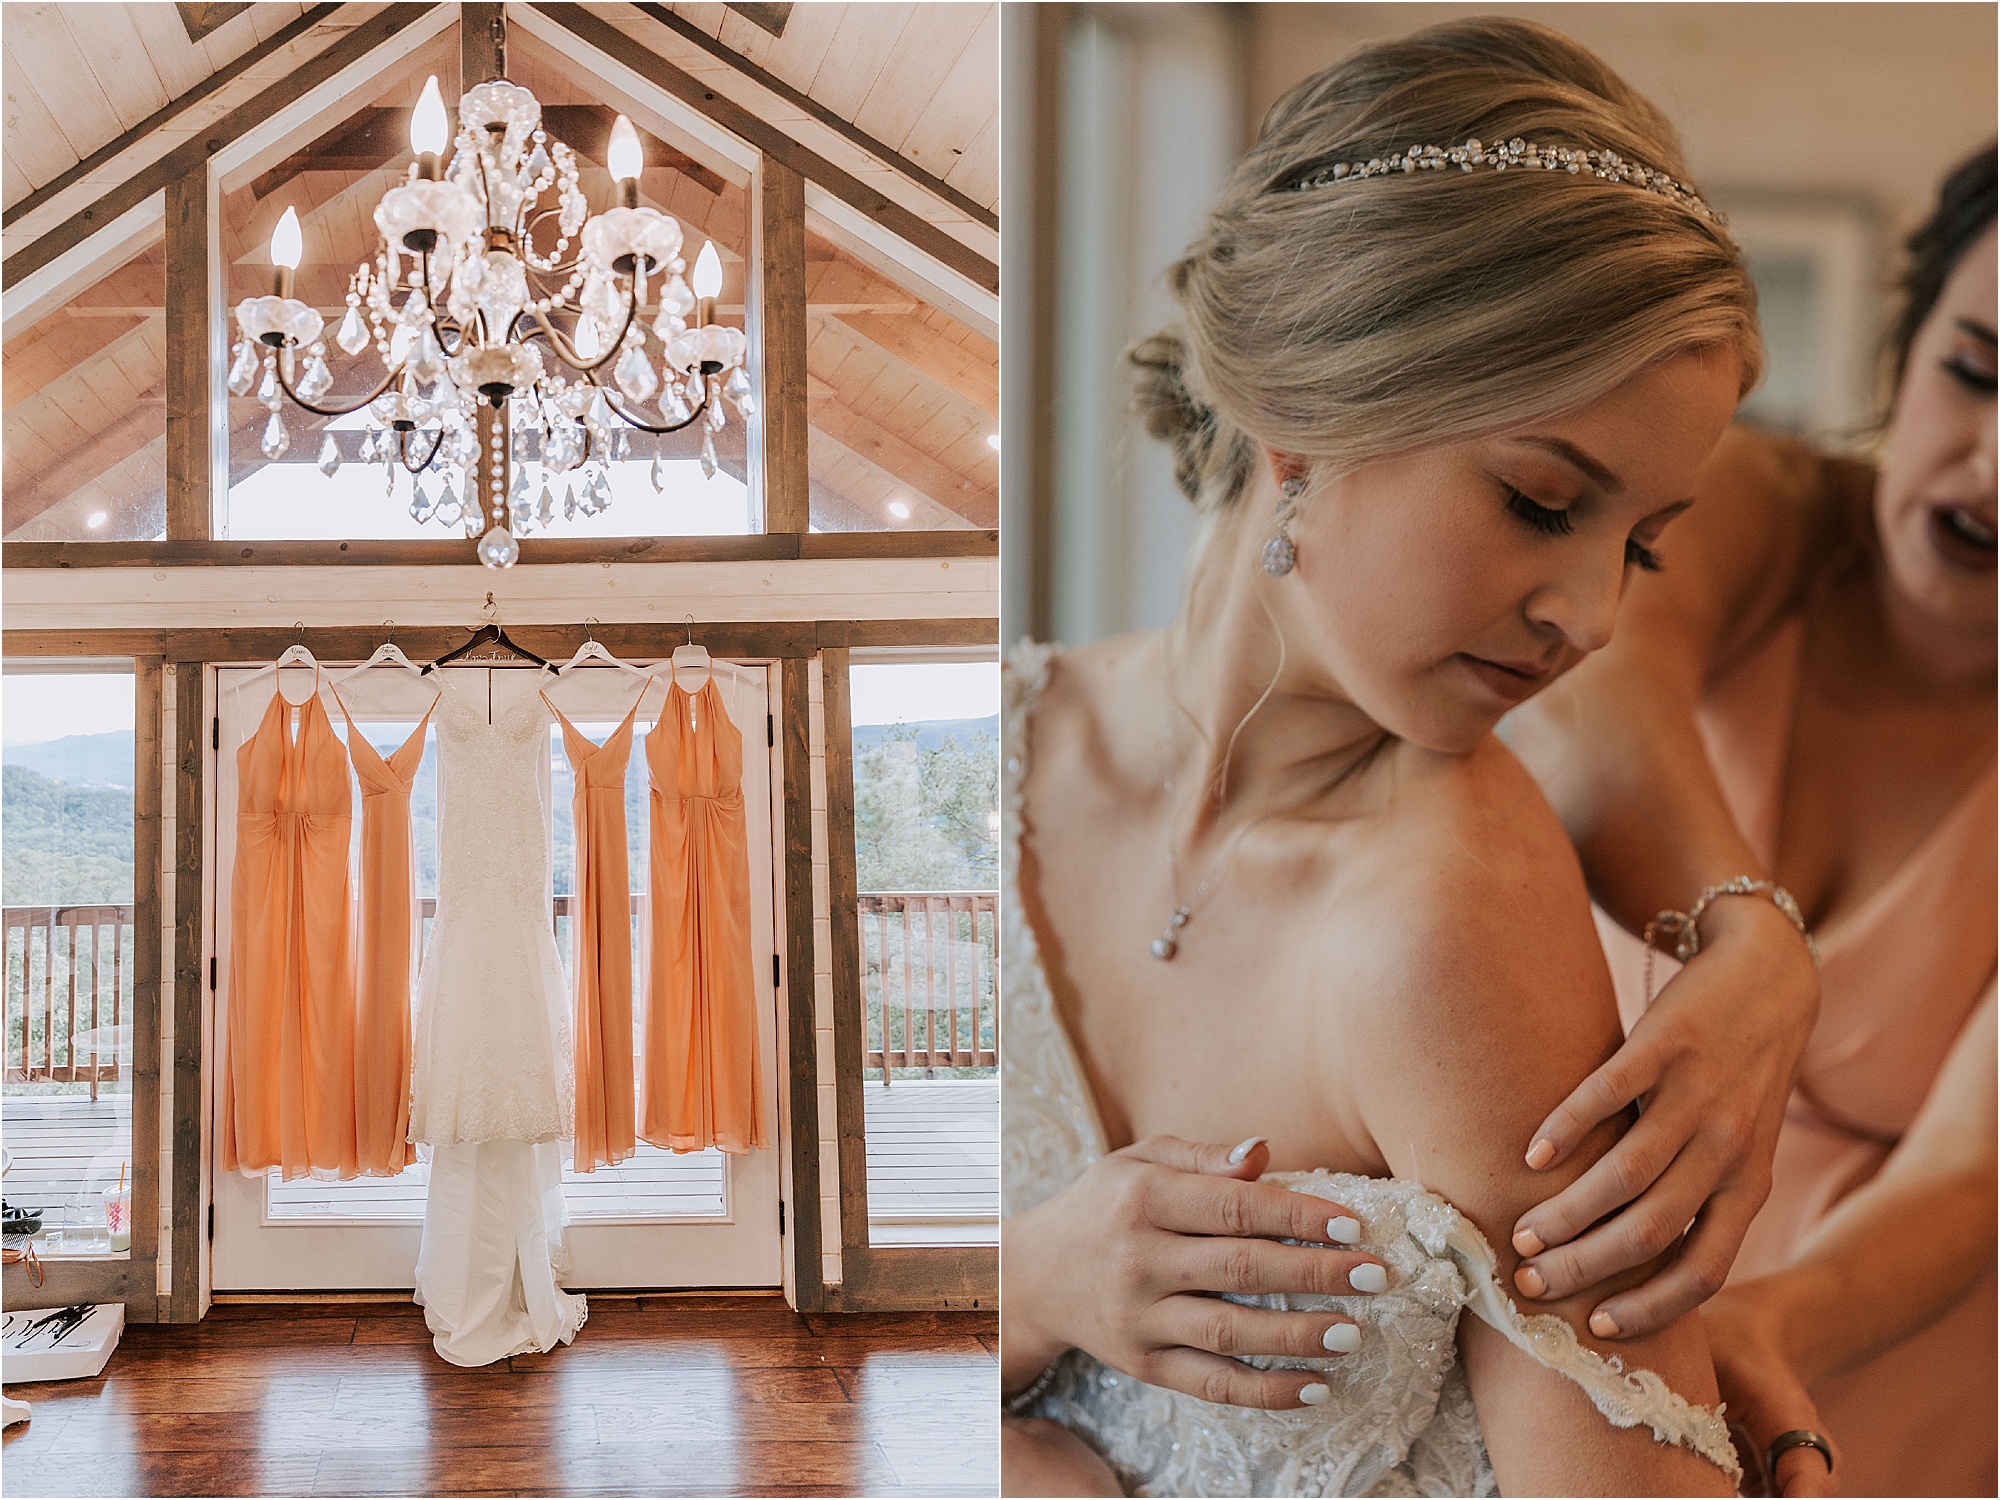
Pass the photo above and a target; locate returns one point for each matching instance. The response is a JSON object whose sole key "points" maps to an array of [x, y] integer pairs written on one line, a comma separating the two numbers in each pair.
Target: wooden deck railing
{"points": [[68, 992], [928, 979]]}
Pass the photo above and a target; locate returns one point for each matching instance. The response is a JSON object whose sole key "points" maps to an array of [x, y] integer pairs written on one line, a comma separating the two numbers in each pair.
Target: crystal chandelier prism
{"points": [[467, 319]]}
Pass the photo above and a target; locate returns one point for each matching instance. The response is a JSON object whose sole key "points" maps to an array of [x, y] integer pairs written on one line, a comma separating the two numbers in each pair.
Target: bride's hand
{"points": [[1761, 1390], [1119, 1262], [1713, 1059]]}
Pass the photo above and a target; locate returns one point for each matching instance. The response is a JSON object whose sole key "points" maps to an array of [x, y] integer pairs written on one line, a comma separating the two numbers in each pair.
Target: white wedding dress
{"points": [[1400, 1420], [492, 1092]]}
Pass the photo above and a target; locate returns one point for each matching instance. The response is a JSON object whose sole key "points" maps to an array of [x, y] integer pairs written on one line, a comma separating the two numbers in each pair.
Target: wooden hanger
{"points": [[487, 642]]}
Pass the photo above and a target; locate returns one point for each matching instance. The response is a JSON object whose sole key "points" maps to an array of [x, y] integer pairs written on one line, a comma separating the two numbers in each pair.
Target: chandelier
{"points": [[467, 319]]}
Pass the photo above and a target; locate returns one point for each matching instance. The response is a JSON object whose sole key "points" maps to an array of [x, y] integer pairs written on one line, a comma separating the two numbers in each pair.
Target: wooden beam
{"points": [[190, 383], [849, 1045], [199, 20], [964, 632], [770, 640], [802, 1074], [193, 153], [774, 143], [67, 1282], [148, 682], [277, 40], [190, 1212], [1051, 25], [806, 104], [535, 551], [939, 544], [782, 329], [910, 1278], [482, 43]]}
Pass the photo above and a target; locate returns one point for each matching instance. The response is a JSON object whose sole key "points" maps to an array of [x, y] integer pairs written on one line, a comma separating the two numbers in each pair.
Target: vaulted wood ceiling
{"points": [[79, 76], [902, 396]]}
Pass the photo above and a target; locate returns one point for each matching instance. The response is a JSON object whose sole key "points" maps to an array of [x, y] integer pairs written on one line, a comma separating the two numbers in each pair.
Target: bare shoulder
{"points": [[1075, 709], [1769, 515], [1484, 997]]}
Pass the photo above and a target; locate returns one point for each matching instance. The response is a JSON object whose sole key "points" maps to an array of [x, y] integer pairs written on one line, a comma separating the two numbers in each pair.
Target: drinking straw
{"points": [[121, 1177]]}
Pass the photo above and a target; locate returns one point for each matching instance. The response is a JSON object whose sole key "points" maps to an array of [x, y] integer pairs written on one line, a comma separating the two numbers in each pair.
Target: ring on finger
{"points": [[1798, 1437]]}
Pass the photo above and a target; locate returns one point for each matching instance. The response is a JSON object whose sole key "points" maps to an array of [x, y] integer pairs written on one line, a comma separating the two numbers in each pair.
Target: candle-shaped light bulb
{"points": [[708, 272], [287, 244], [625, 160], [429, 129]]}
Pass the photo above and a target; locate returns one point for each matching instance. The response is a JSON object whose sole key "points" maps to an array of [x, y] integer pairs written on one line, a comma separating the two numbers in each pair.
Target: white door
{"points": [[655, 1220]]}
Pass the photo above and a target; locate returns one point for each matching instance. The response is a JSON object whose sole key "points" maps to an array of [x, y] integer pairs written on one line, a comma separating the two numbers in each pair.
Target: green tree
{"points": [[926, 818], [65, 845]]}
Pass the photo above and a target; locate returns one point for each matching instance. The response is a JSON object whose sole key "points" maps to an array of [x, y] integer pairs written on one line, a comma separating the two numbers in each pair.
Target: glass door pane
{"points": [[926, 835], [69, 774]]}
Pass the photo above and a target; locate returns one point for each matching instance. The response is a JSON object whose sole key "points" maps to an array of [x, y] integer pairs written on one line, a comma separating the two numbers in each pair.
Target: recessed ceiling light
{"points": [[899, 510], [97, 519], [993, 441]]}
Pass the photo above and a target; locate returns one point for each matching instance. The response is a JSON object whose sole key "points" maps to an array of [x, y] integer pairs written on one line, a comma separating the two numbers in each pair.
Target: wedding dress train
{"points": [[492, 1092], [1400, 1419]]}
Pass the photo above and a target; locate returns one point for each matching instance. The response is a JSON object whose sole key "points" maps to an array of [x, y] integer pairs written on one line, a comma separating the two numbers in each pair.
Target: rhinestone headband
{"points": [[1515, 153]]}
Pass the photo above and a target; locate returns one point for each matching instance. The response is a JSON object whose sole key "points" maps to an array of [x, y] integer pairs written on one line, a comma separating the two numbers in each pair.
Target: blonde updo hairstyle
{"points": [[1352, 321]]}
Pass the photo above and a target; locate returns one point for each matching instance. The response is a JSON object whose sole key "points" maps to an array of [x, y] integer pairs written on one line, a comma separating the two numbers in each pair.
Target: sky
{"points": [[47, 706], [909, 693]]}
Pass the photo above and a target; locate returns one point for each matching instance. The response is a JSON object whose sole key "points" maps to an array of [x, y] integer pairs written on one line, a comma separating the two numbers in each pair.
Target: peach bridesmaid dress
{"points": [[701, 995], [288, 1069], [385, 934], [1900, 976], [601, 941]]}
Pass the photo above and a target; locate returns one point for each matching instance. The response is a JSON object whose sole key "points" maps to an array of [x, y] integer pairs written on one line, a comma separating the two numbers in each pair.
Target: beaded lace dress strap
{"points": [[1624, 1397]]}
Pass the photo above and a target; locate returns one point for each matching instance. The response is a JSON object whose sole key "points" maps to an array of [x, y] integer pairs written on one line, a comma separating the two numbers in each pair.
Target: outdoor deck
{"points": [[933, 1166]]}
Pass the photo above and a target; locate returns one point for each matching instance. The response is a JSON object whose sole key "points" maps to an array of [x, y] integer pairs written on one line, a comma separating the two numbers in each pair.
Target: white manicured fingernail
{"points": [[1368, 1277], [1342, 1338], [1240, 1153], [1315, 1395], [1343, 1230]]}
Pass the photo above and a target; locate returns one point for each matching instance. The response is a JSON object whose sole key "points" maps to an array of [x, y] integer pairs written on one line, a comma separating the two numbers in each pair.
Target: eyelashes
{"points": [[1552, 521], [1637, 555], [1970, 376], [1545, 519]]}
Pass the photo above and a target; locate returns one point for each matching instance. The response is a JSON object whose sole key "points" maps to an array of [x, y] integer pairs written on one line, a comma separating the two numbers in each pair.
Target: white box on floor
{"points": [[78, 1355]]}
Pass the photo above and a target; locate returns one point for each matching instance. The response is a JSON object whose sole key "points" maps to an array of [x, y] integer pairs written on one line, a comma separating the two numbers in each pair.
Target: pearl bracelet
{"points": [[1682, 926]]}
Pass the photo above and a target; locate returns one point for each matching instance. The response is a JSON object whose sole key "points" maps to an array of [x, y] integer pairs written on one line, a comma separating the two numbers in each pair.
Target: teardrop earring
{"points": [[1280, 555]]}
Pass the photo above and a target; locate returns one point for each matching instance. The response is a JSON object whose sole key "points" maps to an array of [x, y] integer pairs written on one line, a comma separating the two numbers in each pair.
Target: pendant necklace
{"points": [[1168, 943]]}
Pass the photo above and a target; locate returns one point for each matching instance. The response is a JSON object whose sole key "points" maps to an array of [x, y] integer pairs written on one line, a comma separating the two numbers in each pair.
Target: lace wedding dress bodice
{"points": [[492, 1044], [1400, 1420]]}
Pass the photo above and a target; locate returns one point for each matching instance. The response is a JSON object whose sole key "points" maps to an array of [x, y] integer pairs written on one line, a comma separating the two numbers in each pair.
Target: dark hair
{"points": [[1964, 212]]}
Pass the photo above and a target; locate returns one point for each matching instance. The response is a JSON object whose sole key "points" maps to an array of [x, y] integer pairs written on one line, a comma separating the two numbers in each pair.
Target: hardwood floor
{"points": [[657, 1396]]}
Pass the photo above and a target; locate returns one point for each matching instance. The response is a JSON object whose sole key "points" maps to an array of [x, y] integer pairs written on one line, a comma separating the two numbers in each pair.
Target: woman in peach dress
{"points": [[1807, 695]]}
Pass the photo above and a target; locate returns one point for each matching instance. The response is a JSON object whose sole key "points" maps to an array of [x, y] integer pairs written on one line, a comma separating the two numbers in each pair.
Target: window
{"points": [[927, 838], [903, 403], [86, 407], [67, 807]]}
